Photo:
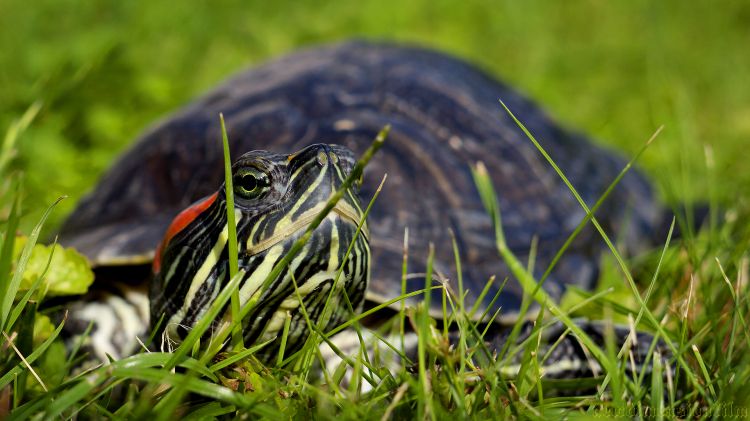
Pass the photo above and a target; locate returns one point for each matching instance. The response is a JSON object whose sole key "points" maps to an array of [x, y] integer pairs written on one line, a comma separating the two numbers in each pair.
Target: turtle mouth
{"points": [[342, 209]]}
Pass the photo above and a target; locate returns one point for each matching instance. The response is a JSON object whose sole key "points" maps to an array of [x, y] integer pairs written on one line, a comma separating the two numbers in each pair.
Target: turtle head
{"points": [[276, 198]]}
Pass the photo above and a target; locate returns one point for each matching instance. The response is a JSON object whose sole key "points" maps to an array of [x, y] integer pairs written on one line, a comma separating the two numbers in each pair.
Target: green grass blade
{"points": [[21, 304], [11, 289], [488, 308], [211, 410], [480, 298], [581, 225], [657, 388], [375, 309], [704, 371], [6, 252], [530, 286], [462, 320], [38, 351], [239, 356], [311, 348], [232, 234], [158, 359], [404, 274], [14, 132], [191, 384], [621, 262], [284, 336], [526, 302], [30, 409], [73, 395], [204, 323], [424, 407]]}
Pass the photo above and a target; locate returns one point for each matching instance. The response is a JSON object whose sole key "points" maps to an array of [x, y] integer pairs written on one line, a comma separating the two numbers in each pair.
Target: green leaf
{"points": [[69, 272], [43, 329]]}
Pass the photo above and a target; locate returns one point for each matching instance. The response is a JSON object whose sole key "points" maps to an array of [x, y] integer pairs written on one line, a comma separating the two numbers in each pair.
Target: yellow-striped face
{"points": [[276, 198]]}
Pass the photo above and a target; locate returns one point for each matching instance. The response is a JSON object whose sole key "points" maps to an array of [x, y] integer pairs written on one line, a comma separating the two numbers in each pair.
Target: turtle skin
{"points": [[445, 117]]}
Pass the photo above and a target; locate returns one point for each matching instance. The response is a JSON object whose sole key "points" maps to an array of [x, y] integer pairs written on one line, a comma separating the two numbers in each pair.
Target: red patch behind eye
{"points": [[182, 220]]}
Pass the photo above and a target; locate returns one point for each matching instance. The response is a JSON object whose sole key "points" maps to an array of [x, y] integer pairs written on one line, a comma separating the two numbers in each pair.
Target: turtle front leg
{"points": [[110, 324]]}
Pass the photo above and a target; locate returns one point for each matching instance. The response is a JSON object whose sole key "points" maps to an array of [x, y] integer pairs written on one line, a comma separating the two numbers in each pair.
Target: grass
{"points": [[618, 72]]}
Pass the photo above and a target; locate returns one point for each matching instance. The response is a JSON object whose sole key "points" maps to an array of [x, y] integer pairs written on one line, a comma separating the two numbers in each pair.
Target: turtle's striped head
{"points": [[276, 198]]}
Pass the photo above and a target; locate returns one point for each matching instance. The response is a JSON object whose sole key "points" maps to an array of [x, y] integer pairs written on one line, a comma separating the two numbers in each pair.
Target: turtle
{"points": [[155, 226]]}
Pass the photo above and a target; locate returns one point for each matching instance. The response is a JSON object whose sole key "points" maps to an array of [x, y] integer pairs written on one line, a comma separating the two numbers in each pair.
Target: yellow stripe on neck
{"points": [[201, 276]]}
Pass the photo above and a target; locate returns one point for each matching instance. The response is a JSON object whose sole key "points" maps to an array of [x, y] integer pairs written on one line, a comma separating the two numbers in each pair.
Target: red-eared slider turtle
{"points": [[445, 117]]}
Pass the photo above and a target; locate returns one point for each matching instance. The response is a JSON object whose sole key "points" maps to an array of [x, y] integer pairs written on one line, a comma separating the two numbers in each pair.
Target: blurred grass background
{"points": [[105, 70]]}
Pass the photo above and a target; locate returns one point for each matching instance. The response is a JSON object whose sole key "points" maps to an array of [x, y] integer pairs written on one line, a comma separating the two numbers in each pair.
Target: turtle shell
{"points": [[445, 117]]}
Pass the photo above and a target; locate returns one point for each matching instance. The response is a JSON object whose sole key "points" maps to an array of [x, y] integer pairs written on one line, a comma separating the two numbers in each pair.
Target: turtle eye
{"points": [[250, 183]]}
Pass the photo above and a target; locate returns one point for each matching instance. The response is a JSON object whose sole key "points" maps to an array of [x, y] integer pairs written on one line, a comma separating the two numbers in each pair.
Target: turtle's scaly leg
{"points": [[119, 319]]}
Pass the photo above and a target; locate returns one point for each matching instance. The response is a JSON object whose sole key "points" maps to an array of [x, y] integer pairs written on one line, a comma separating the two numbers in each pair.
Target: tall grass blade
{"points": [[204, 323], [232, 233], [6, 252], [424, 405], [11, 289], [404, 274], [14, 132], [530, 286], [239, 356], [621, 262], [38, 352], [657, 388], [21, 304]]}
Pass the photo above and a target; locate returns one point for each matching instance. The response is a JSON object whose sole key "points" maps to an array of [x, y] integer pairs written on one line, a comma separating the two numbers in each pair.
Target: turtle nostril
{"points": [[322, 158]]}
